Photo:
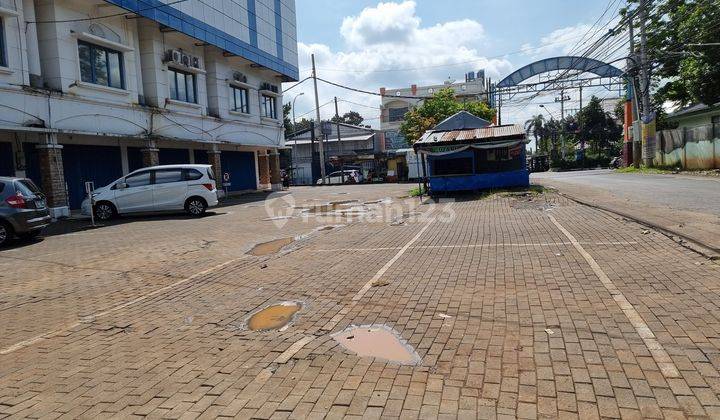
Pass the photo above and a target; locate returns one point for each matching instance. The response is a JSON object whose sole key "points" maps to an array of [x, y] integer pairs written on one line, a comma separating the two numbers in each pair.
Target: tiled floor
{"points": [[517, 307]]}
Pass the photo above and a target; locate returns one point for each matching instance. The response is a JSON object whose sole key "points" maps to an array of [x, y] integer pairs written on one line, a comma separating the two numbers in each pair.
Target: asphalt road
{"points": [[692, 193], [689, 205]]}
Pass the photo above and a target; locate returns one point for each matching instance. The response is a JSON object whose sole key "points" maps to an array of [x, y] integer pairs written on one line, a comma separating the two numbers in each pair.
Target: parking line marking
{"points": [[662, 358], [498, 245], [392, 261], [53, 333], [285, 356]]}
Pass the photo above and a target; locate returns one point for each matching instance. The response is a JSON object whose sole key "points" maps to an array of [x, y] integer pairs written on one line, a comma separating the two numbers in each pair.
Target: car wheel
{"points": [[195, 206], [6, 233], [104, 211]]}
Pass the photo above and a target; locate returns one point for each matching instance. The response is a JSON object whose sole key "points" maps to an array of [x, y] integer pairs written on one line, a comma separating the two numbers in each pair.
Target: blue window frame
{"points": [[182, 86], [3, 54], [240, 98], [101, 66]]}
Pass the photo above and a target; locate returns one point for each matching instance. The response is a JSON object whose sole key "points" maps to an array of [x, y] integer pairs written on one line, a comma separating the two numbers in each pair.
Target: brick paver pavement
{"points": [[518, 308]]}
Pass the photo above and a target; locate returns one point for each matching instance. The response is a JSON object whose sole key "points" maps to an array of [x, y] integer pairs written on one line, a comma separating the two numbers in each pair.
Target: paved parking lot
{"points": [[517, 306]]}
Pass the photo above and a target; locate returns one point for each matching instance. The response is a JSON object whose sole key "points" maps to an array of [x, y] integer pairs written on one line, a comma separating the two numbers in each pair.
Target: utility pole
{"points": [[632, 145], [318, 122], [648, 117], [580, 125], [562, 100], [340, 153]]}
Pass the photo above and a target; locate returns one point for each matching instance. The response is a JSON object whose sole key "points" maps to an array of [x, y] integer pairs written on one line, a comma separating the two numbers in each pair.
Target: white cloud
{"points": [[391, 36]]}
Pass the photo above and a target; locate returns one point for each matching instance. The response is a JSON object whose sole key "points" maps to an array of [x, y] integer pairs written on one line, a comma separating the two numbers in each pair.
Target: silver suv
{"points": [[23, 210]]}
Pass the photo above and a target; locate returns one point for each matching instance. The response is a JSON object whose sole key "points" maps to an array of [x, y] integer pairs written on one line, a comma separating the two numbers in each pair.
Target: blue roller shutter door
{"points": [[201, 157], [81, 163], [7, 165], [241, 167], [135, 160]]}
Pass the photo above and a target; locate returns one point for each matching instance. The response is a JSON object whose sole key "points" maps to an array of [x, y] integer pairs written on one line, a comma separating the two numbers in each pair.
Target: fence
{"points": [[689, 147]]}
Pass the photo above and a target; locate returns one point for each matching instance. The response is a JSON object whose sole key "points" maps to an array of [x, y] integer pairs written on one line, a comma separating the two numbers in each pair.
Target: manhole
{"points": [[274, 317], [271, 247], [377, 341]]}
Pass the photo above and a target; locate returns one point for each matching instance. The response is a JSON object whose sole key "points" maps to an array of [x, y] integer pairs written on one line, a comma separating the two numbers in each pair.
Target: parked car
{"points": [[336, 178], [23, 210], [159, 188]]}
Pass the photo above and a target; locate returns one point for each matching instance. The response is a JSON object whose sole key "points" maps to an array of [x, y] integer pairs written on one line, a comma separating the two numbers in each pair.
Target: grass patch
{"points": [[643, 170], [416, 191]]}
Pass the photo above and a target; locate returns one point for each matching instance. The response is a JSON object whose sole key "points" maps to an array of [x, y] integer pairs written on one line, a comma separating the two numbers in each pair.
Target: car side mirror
{"points": [[121, 185]]}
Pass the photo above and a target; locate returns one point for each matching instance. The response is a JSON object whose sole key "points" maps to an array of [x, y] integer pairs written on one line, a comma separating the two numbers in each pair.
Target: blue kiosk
{"points": [[468, 153]]}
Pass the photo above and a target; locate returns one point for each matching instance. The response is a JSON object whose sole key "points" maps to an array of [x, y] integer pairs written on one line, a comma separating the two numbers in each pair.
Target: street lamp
{"points": [[293, 109], [547, 110]]}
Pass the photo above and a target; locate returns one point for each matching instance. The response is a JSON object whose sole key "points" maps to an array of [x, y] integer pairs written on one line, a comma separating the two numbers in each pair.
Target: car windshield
{"points": [[27, 188]]}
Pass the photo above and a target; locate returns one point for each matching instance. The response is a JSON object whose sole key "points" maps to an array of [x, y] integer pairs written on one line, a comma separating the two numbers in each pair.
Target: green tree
{"points": [[437, 108], [352, 118], [683, 72], [536, 127], [597, 128]]}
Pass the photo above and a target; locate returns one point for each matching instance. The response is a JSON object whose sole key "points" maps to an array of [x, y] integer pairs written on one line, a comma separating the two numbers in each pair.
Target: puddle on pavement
{"points": [[274, 317], [377, 341], [271, 247], [331, 206]]}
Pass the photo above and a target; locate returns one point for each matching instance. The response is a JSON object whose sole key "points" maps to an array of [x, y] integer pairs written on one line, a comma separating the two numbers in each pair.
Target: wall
{"points": [[689, 147]]}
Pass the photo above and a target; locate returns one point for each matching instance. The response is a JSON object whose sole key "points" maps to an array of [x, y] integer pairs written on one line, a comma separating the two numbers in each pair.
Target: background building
{"points": [[91, 89], [397, 102], [359, 148]]}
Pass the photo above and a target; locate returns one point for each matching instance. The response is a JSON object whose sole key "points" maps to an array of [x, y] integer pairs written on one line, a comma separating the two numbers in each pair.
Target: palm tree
{"points": [[536, 126]]}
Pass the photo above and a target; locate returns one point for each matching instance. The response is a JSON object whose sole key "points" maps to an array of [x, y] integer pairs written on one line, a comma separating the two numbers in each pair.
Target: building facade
{"points": [[357, 147], [91, 90], [397, 102]]}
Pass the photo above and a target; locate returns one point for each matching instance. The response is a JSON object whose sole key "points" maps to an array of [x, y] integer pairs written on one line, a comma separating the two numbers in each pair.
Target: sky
{"points": [[370, 44]]}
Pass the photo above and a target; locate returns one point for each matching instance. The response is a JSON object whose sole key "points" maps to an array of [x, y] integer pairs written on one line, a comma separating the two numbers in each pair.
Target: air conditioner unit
{"points": [[271, 88], [196, 62], [185, 60], [239, 77], [173, 56]]}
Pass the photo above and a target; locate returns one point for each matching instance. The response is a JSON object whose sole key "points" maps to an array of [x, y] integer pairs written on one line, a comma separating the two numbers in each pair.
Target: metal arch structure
{"points": [[584, 64]]}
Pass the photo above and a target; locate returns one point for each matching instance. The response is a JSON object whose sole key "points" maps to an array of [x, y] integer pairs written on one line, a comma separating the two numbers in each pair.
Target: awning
{"points": [[441, 150]]}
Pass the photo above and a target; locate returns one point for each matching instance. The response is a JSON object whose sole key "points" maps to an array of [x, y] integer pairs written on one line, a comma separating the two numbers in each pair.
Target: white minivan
{"points": [[159, 188]]}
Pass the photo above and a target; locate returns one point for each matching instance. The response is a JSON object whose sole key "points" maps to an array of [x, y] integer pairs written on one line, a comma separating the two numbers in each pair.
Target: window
{"points": [[182, 86], [138, 180], [166, 176], [268, 107], [397, 114], [240, 100], [454, 166], [100, 65], [3, 58], [193, 174]]}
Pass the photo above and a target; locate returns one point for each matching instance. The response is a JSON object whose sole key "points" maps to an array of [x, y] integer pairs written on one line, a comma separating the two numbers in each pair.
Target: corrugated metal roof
{"points": [[291, 142], [489, 133]]}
